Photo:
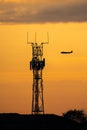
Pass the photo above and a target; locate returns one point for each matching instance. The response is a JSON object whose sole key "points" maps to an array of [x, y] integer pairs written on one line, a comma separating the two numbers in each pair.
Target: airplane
{"points": [[66, 52]]}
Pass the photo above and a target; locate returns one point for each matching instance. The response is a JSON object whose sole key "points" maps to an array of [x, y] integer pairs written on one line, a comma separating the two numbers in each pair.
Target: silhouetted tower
{"points": [[37, 64]]}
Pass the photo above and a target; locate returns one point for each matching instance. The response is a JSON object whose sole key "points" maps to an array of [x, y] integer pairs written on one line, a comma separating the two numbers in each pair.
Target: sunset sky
{"points": [[64, 76]]}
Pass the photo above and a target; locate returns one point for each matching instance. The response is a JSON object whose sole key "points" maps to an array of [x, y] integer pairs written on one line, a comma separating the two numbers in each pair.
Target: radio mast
{"points": [[36, 65]]}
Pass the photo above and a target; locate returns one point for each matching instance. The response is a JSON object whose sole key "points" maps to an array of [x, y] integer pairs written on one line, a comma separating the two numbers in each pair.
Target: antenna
{"points": [[35, 37], [28, 39], [36, 65], [47, 39]]}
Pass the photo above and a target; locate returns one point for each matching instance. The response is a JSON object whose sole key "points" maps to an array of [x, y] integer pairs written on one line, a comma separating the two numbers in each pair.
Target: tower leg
{"points": [[37, 96]]}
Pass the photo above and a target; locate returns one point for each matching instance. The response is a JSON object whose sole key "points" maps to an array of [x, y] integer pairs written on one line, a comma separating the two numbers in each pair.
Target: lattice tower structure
{"points": [[36, 65]]}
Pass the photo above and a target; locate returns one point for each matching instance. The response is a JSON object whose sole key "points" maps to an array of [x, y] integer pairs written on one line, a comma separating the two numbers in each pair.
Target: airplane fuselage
{"points": [[66, 52]]}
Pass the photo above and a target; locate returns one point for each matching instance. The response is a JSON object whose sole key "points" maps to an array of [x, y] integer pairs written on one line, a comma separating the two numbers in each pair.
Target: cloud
{"points": [[24, 12]]}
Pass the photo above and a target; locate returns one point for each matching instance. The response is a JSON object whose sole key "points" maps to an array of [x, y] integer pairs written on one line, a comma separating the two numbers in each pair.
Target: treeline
{"points": [[78, 116]]}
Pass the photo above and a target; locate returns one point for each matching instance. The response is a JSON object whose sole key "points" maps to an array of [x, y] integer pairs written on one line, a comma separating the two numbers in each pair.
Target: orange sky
{"points": [[64, 76]]}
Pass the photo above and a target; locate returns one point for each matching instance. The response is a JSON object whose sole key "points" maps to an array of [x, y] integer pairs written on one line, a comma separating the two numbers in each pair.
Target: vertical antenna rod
{"points": [[36, 65]]}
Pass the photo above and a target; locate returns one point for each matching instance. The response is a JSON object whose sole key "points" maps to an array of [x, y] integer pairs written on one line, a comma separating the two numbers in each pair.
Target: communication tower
{"points": [[36, 65]]}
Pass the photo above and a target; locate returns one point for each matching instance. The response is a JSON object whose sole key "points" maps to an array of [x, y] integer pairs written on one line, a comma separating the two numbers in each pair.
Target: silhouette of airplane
{"points": [[66, 52]]}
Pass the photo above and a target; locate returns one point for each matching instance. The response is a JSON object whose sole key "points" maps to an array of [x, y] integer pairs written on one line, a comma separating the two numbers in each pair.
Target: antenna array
{"points": [[36, 65]]}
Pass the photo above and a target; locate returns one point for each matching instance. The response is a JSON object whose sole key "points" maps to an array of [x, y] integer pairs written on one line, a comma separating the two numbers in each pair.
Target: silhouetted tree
{"points": [[76, 115]]}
